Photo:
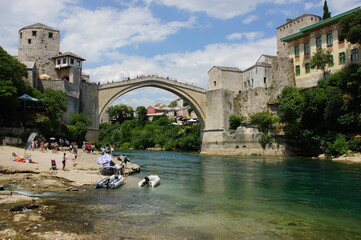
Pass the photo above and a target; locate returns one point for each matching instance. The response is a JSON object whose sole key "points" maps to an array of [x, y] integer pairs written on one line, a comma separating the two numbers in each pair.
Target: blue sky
{"points": [[180, 39]]}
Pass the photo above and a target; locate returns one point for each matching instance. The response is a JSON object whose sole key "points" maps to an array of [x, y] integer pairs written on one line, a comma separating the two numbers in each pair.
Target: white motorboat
{"points": [[150, 181], [113, 181]]}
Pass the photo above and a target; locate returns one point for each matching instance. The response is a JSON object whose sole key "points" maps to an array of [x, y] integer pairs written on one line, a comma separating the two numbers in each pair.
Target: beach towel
{"points": [[24, 160]]}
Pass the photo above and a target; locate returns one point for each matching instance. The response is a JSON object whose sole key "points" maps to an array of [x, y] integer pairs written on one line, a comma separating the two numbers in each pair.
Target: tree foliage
{"points": [[142, 117], [79, 127], [321, 59], [317, 116], [55, 103], [172, 104], [326, 12], [121, 112], [351, 27], [159, 133], [12, 85], [264, 121], [235, 121]]}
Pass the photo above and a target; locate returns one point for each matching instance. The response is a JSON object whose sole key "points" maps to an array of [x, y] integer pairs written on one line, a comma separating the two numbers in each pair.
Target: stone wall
{"points": [[290, 27], [262, 99], [244, 141], [216, 139], [22, 133], [220, 105], [89, 106], [39, 48]]}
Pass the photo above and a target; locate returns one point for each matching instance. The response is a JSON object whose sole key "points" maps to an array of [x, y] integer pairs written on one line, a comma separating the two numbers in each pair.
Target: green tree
{"points": [[55, 103], [264, 121], [317, 116], [291, 104], [79, 126], [142, 117], [121, 112], [12, 84], [172, 104], [321, 59], [326, 12], [236, 121], [351, 27], [50, 123]]}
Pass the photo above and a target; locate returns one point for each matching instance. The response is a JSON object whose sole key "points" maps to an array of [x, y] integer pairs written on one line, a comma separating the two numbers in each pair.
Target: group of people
{"points": [[88, 147], [107, 149], [44, 146]]}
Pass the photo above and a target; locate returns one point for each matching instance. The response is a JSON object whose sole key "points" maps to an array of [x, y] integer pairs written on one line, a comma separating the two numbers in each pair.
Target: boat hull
{"points": [[113, 181], [154, 181]]}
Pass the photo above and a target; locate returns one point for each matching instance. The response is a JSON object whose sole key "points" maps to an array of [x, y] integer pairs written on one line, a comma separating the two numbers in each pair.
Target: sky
{"points": [[180, 39]]}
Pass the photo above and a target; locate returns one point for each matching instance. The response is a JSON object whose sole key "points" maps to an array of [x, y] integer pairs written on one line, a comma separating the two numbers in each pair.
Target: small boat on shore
{"points": [[113, 181], [150, 181]]}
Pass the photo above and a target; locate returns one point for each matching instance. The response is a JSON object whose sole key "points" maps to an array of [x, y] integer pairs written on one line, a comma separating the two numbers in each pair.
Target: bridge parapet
{"points": [[151, 78]]}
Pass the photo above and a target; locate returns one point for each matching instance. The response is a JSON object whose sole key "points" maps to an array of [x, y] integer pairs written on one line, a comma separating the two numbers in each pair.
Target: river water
{"points": [[222, 197]]}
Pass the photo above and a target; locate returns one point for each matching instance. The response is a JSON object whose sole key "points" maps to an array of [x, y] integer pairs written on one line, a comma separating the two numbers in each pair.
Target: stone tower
{"points": [[293, 26], [38, 43]]}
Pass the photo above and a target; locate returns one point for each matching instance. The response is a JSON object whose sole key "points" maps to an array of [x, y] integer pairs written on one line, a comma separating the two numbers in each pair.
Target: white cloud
{"points": [[20, 13], [92, 34], [337, 6], [222, 9], [250, 36], [190, 67], [250, 19], [334, 6]]}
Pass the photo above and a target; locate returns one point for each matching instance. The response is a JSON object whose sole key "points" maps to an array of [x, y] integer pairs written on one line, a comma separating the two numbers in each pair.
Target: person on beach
{"points": [[64, 161], [75, 155]]}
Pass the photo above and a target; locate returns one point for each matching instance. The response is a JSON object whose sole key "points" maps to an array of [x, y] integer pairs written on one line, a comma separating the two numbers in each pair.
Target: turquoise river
{"points": [[222, 197]]}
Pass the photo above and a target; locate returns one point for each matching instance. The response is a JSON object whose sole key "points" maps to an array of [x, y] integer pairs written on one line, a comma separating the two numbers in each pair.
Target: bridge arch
{"points": [[195, 96]]}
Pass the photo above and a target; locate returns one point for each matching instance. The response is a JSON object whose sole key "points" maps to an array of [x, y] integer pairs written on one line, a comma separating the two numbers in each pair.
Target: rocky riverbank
{"points": [[26, 216]]}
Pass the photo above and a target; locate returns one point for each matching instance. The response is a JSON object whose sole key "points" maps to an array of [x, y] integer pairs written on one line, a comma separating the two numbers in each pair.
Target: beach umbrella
{"points": [[26, 97], [44, 76], [104, 159]]}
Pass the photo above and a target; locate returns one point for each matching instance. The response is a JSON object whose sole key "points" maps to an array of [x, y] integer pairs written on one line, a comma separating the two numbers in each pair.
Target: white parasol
{"points": [[104, 159]]}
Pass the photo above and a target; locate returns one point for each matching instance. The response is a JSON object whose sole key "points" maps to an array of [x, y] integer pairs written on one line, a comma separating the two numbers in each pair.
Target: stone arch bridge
{"points": [[195, 96]]}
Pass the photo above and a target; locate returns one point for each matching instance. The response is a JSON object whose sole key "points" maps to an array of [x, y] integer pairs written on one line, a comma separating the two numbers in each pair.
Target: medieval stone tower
{"points": [[39, 43]]}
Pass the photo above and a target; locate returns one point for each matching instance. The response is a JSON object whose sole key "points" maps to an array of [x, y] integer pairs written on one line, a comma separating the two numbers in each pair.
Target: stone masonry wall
{"points": [[260, 99], [244, 141], [89, 106]]}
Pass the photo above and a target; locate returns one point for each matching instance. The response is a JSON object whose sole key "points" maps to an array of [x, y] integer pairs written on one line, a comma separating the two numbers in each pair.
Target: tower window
{"points": [[58, 61], [29, 41], [64, 60], [71, 60], [215, 83], [34, 33], [78, 63], [21, 35], [50, 35]]}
